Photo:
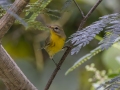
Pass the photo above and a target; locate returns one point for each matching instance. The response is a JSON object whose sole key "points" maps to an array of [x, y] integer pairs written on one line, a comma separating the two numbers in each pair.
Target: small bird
{"points": [[55, 41]]}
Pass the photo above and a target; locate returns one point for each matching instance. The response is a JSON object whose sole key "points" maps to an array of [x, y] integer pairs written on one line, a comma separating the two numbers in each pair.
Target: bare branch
{"points": [[88, 14], [7, 20], [70, 47], [57, 68], [79, 8], [10, 73]]}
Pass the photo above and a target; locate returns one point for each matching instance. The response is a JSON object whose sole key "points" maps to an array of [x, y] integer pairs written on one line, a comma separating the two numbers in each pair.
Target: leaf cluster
{"points": [[105, 77], [32, 11], [109, 23]]}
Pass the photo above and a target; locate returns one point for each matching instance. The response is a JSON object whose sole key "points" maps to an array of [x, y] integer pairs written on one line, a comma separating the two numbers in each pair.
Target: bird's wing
{"points": [[47, 41]]}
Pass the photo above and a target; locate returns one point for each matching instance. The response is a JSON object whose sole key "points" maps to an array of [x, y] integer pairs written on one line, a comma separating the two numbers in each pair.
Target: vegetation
{"points": [[98, 34]]}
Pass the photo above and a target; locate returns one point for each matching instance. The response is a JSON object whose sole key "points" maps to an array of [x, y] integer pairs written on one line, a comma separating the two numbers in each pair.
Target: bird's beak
{"points": [[49, 26]]}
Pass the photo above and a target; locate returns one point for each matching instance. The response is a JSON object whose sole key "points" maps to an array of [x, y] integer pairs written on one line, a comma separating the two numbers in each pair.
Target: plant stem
{"points": [[69, 47]]}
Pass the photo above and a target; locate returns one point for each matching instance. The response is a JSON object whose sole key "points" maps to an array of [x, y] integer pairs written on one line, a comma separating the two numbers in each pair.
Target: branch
{"points": [[10, 73], [57, 68], [88, 14], [70, 47], [79, 8], [7, 20]]}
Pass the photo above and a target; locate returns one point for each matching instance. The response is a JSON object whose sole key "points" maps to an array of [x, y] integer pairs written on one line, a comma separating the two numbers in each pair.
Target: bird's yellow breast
{"points": [[56, 44]]}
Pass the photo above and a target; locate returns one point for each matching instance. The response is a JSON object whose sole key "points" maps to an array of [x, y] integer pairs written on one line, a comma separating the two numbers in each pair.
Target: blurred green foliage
{"points": [[24, 45]]}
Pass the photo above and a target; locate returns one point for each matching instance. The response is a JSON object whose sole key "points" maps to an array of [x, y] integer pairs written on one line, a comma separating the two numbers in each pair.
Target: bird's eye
{"points": [[56, 29]]}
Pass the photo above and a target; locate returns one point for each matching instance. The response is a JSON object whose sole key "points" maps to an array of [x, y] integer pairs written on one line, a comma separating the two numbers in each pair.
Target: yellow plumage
{"points": [[55, 41]]}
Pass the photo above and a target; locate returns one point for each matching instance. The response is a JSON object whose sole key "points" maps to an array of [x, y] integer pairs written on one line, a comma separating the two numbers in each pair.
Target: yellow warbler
{"points": [[55, 41]]}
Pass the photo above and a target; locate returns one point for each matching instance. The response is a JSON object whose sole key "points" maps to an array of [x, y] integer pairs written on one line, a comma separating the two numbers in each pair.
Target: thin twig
{"points": [[88, 14], [79, 9], [57, 68], [69, 48]]}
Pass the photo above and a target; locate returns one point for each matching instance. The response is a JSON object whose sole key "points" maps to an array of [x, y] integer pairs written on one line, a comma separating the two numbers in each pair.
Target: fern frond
{"points": [[4, 7], [36, 25], [112, 84], [90, 55], [50, 12], [36, 8], [108, 41], [2, 12], [52, 15], [83, 37], [113, 32], [84, 58], [3, 4], [112, 36]]}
